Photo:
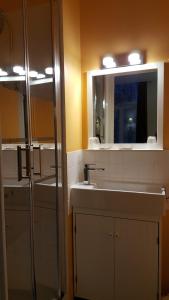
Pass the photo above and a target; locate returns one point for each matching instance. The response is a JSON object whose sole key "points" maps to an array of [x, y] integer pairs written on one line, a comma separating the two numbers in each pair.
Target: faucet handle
{"points": [[88, 165]]}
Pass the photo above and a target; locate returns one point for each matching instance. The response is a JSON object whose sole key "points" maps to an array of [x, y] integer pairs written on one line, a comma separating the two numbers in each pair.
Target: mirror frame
{"points": [[159, 66]]}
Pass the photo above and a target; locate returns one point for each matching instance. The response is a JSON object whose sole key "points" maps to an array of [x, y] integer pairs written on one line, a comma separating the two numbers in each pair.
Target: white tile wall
{"points": [[125, 166], [75, 166]]}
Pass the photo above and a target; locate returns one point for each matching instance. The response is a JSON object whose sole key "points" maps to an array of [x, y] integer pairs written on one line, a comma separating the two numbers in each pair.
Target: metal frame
{"points": [[3, 258], [58, 61]]}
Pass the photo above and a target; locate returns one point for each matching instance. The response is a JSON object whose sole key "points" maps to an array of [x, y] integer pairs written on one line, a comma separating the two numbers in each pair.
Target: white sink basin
{"points": [[124, 187], [125, 198]]}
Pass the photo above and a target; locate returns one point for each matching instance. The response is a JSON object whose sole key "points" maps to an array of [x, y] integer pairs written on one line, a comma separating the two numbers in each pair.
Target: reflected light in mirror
{"points": [[49, 71], [135, 58], [3, 73], [108, 62], [19, 70], [40, 76], [33, 74]]}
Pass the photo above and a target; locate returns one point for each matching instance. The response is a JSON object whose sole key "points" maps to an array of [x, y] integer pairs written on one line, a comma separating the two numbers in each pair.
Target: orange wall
{"points": [[116, 26], [72, 59]]}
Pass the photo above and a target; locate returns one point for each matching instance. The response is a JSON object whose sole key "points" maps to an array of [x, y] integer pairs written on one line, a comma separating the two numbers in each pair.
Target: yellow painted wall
{"points": [[72, 59]]}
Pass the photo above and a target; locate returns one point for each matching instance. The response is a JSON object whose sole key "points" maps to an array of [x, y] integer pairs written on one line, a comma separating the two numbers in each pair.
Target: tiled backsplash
{"points": [[75, 166], [126, 166], [123, 166]]}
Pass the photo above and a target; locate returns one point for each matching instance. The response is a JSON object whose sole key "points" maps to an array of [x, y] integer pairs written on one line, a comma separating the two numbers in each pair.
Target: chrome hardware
{"points": [[40, 161], [116, 235], [20, 167], [88, 168]]}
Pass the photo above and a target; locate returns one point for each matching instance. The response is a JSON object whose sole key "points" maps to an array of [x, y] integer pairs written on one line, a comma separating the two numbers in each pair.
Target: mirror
{"points": [[125, 105]]}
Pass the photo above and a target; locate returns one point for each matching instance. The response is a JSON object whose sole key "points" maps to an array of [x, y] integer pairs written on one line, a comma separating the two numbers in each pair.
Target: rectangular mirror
{"points": [[125, 106]]}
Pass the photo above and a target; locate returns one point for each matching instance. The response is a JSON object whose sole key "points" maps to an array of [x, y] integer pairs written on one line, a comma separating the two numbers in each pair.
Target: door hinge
{"points": [[158, 240]]}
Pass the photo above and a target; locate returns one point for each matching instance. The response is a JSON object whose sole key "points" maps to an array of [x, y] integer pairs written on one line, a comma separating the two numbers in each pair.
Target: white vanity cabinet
{"points": [[115, 258]]}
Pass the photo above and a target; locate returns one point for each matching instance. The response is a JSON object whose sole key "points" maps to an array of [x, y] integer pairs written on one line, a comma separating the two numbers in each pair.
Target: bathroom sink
{"points": [[132, 187], [122, 198]]}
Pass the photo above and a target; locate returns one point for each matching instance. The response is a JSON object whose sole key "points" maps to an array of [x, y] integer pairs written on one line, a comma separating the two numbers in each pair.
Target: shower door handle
{"points": [[27, 160], [40, 161]]}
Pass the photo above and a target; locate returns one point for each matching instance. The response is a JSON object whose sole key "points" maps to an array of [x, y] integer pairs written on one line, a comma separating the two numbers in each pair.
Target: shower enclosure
{"points": [[32, 155]]}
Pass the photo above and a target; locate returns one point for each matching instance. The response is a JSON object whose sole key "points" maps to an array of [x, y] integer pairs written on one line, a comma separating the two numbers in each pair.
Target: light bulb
{"points": [[135, 58], [49, 71], [3, 73], [40, 76], [19, 70], [108, 62], [33, 74]]}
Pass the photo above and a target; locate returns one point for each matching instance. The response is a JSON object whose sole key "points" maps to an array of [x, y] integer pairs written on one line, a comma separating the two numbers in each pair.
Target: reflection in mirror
{"points": [[42, 112], [125, 107]]}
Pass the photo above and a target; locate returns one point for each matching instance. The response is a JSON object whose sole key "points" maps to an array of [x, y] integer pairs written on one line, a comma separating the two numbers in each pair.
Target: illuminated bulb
{"points": [[104, 104], [40, 76], [49, 71], [33, 74], [3, 73], [108, 62], [134, 58], [19, 70]]}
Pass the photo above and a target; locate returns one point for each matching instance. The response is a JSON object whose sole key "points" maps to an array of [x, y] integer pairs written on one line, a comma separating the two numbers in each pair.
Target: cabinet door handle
{"points": [[116, 235]]}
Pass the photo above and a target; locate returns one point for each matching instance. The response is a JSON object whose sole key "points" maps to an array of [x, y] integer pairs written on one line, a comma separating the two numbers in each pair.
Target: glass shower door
{"points": [[46, 146], [15, 151], [32, 156]]}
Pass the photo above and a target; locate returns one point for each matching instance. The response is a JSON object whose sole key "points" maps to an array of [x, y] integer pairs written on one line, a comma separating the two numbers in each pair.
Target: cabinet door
{"points": [[136, 263], [94, 257]]}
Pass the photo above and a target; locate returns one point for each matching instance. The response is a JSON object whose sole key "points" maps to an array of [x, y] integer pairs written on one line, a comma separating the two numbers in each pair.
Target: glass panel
{"points": [[15, 154], [135, 108], [125, 107], [43, 155]]}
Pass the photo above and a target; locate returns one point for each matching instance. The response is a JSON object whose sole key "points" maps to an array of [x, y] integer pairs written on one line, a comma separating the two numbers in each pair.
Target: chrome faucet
{"points": [[87, 169]]}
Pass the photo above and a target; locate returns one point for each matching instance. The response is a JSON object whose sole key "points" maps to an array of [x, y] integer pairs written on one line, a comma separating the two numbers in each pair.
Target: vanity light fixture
{"points": [[33, 74], [3, 73], [19, 70], [108, 62], [49, 71], [135, 58]]}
